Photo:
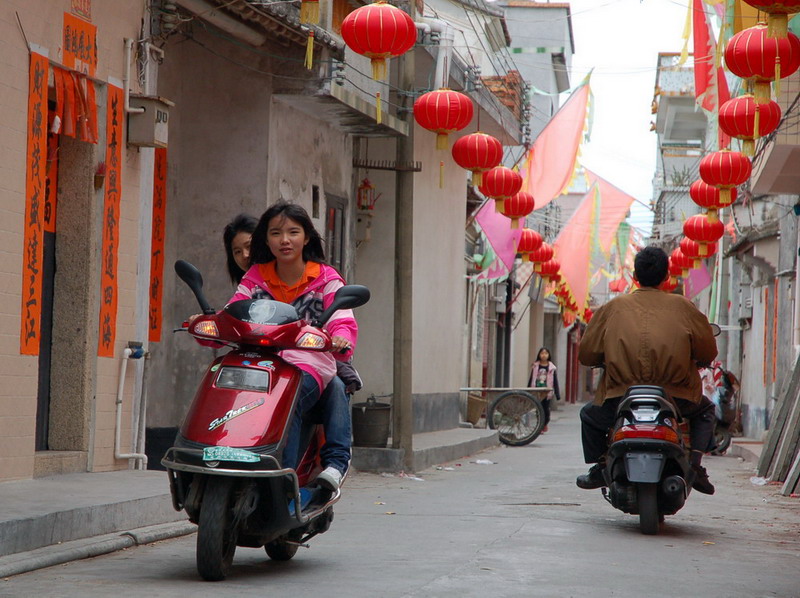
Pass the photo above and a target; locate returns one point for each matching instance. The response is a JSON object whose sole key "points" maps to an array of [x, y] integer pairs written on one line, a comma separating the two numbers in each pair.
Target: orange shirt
{"points": [[281, 290]]}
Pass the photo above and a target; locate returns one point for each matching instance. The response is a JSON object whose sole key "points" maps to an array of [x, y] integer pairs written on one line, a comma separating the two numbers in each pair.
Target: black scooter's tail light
{"points": [[653, 431]]}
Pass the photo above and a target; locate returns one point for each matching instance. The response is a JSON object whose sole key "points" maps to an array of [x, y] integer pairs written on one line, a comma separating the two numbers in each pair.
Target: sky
{"points": [[620, 40]]}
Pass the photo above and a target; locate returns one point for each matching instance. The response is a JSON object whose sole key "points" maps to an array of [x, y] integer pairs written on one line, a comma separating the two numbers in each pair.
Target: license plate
{"points": [[226, 453]]}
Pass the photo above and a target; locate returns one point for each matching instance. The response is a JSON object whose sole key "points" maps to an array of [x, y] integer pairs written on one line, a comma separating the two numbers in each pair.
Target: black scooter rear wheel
{"points": [[517, 416], [647, 498], [216, 538]]}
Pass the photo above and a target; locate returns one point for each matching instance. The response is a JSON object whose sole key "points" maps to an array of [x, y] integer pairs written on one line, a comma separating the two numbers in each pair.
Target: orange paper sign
{"points": [[157, 242], [35, 177], [110, 247], [80, 45]]}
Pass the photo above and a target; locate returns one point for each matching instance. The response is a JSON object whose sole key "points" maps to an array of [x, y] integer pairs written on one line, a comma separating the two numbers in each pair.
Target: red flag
{"points": [[710, 85], [551, 159]]}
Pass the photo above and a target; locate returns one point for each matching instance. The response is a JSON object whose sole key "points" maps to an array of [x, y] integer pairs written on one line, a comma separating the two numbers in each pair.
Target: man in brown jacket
{"points": [[648, 337]]}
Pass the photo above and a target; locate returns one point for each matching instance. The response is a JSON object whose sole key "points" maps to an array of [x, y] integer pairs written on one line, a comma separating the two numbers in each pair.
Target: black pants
{"points": [[546, 407], [596, 421]]}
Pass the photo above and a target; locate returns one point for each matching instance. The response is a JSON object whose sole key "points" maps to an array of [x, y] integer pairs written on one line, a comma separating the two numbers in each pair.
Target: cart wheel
{"points": [[517, 416]]}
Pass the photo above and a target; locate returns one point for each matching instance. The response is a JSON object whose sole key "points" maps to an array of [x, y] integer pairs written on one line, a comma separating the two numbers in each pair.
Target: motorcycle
{"points": [[725, 399], [647, 470], [225, 467]]}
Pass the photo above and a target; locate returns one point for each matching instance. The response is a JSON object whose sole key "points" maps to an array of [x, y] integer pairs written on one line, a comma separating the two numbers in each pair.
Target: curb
{"points": [[59, 554]]}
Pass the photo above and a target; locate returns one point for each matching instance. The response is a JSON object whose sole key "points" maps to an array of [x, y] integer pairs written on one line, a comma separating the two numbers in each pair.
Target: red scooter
{"points": [[225, 469]]}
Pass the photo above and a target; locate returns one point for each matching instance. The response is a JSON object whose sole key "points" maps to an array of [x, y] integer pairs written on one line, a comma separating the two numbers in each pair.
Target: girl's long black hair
{"points": [[259, 250], [242, 223]]}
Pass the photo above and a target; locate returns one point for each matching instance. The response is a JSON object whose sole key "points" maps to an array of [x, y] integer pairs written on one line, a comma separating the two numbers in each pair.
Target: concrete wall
{"points": [[374, 358]]}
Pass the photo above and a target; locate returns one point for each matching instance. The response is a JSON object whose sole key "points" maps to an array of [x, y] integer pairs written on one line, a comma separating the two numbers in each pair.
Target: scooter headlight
{"points": [[206, 328], [311, 341]]}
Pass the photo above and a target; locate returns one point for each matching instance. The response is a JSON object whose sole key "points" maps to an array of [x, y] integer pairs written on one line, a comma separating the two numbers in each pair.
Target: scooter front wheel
{"points": [[216, 538], [517, 416], [647, 498]]}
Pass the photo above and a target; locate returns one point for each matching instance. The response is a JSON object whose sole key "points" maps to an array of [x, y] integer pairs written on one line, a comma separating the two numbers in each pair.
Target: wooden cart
{"points": [[516, 413]]}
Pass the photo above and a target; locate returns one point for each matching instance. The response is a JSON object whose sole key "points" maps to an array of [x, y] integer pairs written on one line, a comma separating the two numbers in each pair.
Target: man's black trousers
{"points": [[596, 421]]}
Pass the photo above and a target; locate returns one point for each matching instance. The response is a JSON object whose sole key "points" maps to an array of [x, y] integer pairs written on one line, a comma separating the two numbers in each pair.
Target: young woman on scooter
{"points": [[236, 238], [288, 265]]}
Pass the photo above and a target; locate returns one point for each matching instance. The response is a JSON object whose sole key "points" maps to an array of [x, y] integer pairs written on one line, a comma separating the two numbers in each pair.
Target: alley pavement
{"points": [[53, 520]]}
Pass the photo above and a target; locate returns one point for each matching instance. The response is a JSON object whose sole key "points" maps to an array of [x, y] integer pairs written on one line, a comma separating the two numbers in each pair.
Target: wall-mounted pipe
{"points": [[447, 38], [128, 353], [127, 76]]}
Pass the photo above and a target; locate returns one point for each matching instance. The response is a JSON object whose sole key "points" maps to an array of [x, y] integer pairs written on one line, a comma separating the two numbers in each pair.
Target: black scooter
{"points": [[647, 471]]}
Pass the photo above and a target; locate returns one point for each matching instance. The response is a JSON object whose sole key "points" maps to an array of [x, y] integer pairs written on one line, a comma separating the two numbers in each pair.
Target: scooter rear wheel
{"points": [[283, 548], [216, 540], [517, 416], [647, 498], [722, 440]]}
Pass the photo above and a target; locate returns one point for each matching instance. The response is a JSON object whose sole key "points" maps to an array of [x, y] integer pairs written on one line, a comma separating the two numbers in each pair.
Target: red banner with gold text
{"points": [[111, 203], [33, 226], [157, 243]]}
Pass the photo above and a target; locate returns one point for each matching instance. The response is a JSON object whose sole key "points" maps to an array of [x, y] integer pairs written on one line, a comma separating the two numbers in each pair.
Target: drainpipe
{"points": [[136, 352], [797, 298], [447, 37], [127, 77]]}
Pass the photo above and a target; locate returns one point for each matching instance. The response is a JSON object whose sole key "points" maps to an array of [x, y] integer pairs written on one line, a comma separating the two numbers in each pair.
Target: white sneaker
{"points": [[330, 478]]}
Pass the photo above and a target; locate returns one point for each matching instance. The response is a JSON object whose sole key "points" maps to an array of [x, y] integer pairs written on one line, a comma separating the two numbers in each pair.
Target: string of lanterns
{"points": [[381, 31], [761, 56]]}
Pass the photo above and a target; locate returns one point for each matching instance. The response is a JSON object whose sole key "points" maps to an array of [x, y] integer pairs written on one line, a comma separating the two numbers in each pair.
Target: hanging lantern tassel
{"points": [[777, 76], [712, 215], [309, 11], [378, 107], [441, 174], [309, 49], [498, 205], [378, 68], [515, 223], [749, 145], [477, 178], [777, 25], [725, 196]]}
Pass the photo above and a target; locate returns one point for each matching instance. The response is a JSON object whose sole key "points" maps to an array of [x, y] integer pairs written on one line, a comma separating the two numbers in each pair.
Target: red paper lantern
{"points": [[477, 152], [543, 254], [517, 207], [443, 111], [708, 197], [500, 183], [669, 285], [681, 262], [699, 228], [725, 169], [691, 249], [779, 11], [744, 119], [379, 31], [675, 270], [529, 240], [549, 269], [759, 59]]}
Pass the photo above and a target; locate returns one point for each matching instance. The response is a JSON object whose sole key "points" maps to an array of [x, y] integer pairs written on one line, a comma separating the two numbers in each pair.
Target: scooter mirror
{"points": [[348, 297], [192, 277], [715, 329]]}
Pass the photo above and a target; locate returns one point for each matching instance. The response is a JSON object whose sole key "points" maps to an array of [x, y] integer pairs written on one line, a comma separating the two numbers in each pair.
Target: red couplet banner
{"points": [[157, 243], [110, 247], [35, 180]]}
